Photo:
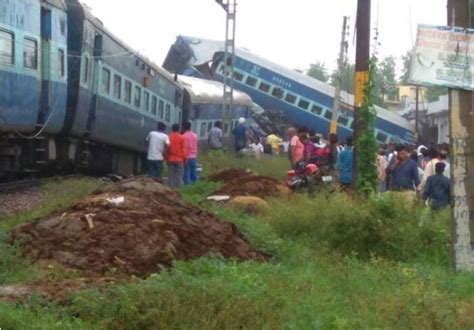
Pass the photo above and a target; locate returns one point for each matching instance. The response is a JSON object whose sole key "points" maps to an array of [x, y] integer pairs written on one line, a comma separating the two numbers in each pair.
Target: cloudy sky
{"points": [[292, 33]]}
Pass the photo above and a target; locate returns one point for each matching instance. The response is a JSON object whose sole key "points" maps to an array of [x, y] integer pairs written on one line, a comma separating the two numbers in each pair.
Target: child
{"points": [[256, 148]]}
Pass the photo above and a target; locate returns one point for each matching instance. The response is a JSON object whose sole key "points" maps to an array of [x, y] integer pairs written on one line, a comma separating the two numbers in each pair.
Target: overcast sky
{"points": [[292, 33]]}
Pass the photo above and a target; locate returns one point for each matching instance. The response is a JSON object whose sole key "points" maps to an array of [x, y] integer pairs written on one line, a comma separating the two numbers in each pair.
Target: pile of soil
{"points": [[230, 174], [241, 183], [149, 229]]}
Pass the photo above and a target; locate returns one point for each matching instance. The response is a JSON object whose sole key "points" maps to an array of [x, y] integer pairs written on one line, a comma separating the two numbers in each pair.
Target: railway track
{"points": [[30, 183]]}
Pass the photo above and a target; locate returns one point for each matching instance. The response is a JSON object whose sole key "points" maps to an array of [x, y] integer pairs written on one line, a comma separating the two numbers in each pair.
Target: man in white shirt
{"points": [[158, 143]]}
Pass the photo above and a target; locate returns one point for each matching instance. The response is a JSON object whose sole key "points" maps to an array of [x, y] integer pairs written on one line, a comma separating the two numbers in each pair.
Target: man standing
{"points": [[344, 163], [297, 147], [437, 190], [240, 135], [176, 157], [190, 167], [157, 142], [274, 141], [214, 138], [404, 172]]}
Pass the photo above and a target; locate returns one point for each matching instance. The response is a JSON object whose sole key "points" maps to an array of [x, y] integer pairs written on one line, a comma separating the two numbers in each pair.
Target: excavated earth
{"points": [[146, 231], [243, 183]]}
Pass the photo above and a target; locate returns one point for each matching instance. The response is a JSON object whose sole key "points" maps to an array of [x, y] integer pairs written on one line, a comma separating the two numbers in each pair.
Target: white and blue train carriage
{"points": [[33, 81], [302, 99], [203, 106]]}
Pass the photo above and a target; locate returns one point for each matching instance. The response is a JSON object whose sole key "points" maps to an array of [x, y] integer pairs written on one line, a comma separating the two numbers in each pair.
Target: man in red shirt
{"points": [[177, 153]]}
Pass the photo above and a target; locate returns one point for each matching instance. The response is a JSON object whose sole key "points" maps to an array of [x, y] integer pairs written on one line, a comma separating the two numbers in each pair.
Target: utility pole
{"points": [[340, 67], [461, 118], [361, 72], [417, 98], [230, 7]]}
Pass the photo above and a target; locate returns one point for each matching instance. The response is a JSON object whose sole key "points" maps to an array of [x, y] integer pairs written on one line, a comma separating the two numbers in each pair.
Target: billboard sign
{"points": [[443, 56]]}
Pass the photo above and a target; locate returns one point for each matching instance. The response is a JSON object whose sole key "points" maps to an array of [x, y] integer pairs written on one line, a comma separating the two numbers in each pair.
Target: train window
{"points": [[105, 81], [61, 62], [264, 87], [381, 137], [290, 98], [209, 126], [343, 120], [277, 92], [161, 109], [168, 113], [251, 81], [316, 110], [30, 53], [138, 97], [328, 114], [238, 76], [118, 87], [352, 125], [226, 128], [153, 105], [303, 104], [85, 70], [7, 48], [128, 91], [202, 133], [147, 101]]}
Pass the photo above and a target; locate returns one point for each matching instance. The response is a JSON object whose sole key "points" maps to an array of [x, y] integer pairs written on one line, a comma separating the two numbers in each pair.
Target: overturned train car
{"points": [[301, 99]]}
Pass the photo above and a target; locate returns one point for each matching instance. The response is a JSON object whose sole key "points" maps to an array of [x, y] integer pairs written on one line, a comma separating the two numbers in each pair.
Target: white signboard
{"points": [[443, 56]]}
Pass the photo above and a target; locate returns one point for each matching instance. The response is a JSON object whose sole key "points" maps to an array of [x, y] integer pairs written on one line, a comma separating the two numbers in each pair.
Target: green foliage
{"points": [[318, 71], [366, 142], [385, 226], [347, 78], [434, 92]]}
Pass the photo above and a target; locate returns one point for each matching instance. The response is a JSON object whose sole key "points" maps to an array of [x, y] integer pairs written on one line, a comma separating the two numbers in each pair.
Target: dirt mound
{"points": [[134, 227], [249, 184], [230, 174]]}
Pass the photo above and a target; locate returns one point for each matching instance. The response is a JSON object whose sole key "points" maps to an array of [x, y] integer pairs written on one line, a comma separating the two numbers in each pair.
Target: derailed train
{"points": [[301, 99], [72, 95]]}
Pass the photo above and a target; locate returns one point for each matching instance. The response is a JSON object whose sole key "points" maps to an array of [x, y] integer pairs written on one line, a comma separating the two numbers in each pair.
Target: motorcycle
{"points": [[307, 176]]}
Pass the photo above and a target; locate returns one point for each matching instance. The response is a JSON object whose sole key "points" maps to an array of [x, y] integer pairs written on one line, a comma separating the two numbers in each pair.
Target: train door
{"points": [[95, 81], [45, 101]]}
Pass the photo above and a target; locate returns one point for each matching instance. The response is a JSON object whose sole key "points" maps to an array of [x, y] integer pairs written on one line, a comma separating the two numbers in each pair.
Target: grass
{"points": [[337, 263]]}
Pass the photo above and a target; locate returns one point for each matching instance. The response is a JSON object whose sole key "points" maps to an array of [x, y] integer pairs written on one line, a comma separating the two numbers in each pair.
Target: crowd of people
{"points": [[411, 170], [414, 171]]}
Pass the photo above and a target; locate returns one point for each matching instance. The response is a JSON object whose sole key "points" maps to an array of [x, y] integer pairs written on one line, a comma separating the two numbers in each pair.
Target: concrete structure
{"points": [[438, 117]]}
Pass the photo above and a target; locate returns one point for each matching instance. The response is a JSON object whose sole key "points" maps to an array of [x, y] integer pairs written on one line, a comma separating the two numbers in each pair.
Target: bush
{"points": [[384, 226]]}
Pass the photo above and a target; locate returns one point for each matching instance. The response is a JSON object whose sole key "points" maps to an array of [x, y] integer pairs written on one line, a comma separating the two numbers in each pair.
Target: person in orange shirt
{"points": [[176, 157]]}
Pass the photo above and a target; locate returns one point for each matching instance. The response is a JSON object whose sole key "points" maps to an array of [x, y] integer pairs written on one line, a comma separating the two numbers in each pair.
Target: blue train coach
{"points": [[33, 82], [302, 99]]}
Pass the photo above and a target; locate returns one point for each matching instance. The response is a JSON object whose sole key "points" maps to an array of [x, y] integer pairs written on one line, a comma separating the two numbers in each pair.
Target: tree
{"points": [[318, 71], [406, 60], [385, 83], [434, 92], [347, 78]]}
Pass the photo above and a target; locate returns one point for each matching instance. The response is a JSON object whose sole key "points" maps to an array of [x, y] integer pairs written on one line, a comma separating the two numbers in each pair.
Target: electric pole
{"points": [[230, 7], [340, 67], [417, 98], [461, 119], [361, 73]]}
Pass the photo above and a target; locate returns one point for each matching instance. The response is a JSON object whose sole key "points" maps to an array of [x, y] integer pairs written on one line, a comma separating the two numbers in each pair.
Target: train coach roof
{"points": [[210, 91], [100, 25], [56, 3], [204, 50]]}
